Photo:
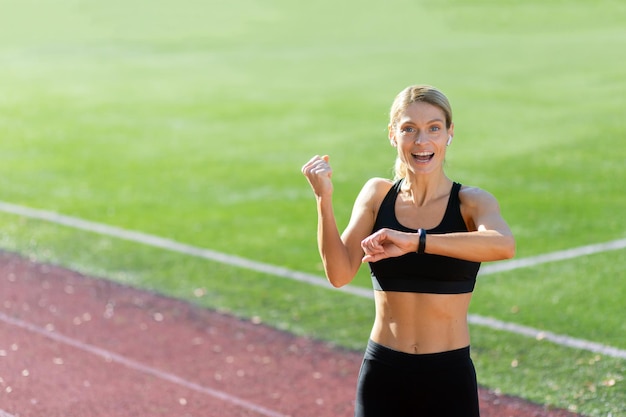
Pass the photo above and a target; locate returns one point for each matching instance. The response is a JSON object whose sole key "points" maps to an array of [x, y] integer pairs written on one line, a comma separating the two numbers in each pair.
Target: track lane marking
{"points": [[233, 260], [558, 339], [139, 367]]}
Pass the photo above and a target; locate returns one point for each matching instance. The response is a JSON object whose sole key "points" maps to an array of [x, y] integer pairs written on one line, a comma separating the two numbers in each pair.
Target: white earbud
{"points": [[449, 140]]}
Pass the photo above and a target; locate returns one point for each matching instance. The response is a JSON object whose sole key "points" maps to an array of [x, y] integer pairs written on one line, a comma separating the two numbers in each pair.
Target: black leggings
{"points": [[398, 384]]}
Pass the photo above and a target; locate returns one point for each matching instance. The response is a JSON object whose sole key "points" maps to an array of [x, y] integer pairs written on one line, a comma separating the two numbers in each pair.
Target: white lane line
{"points": [[173, 246], [558, 339], [553, 257], [233, 260], [137, 366]]}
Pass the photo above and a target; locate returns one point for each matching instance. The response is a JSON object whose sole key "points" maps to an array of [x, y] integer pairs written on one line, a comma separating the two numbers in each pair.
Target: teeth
{"points": [[423, 154]]}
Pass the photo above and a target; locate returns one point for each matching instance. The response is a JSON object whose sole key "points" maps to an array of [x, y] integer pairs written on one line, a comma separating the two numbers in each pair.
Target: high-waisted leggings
{"points": [[398, 384]]}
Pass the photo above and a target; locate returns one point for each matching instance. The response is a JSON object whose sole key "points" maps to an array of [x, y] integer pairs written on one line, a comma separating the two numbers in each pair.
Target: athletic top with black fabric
{"points": [[423, 273]]}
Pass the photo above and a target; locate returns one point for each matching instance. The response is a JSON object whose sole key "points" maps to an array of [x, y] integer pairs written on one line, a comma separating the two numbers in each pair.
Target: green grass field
{"points": [[190, 120]]}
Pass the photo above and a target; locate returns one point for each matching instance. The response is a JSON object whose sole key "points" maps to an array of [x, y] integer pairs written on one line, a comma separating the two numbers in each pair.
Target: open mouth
{"points": [[423, 157]]}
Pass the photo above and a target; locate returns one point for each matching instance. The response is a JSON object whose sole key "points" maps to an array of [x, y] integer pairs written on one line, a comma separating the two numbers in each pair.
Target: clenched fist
{"points": [[318, 172]]}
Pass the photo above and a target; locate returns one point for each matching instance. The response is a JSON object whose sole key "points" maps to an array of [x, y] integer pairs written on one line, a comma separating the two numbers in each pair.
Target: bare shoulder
{"points": [[365, 209], [474, 197], [374, 191], [377, 184], [481, 211]]}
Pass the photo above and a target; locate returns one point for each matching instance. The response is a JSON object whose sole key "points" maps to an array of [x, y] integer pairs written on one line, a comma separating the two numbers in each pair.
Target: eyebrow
{"points": [[428, 122]]}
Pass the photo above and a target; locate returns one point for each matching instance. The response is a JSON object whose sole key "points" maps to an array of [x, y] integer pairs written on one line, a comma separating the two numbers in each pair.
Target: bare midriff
{"points": [[421, 323]]}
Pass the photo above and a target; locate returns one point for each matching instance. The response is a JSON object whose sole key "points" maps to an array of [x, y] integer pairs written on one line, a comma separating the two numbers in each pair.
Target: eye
{"points": [[435, 128], [407, 129]]}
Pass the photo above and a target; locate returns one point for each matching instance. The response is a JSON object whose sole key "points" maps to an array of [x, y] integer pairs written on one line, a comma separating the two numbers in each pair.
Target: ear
{"points": [[450, 134], [392, 136]]}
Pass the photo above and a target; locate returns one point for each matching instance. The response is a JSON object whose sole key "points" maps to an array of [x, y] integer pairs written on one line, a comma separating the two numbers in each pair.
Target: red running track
{"points": [[71, 345]]}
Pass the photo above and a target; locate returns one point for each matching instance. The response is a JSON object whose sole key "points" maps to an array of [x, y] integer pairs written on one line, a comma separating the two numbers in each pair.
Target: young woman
{"points": [[424, 237]]}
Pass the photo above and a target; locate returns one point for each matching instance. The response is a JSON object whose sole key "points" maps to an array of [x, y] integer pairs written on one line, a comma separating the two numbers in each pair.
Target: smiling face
{"points": [[420, 134]]}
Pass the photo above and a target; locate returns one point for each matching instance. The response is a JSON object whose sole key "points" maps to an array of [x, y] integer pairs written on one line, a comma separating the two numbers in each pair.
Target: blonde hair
{"points": [[415, 94]]}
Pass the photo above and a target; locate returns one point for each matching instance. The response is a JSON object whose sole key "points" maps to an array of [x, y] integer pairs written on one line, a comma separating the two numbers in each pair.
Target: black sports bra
{"points": [[423, 273]]}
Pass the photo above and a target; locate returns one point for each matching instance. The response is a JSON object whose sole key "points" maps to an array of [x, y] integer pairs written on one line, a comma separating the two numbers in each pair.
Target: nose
{"points": [[419, 138]]}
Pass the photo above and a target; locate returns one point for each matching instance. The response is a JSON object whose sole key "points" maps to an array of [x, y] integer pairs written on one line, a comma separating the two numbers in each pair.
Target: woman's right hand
{"points": [[388, 243], [318, 172]]}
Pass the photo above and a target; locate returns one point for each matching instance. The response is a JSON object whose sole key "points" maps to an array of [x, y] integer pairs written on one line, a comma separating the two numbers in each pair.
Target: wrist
{"points": [[421, 244]]}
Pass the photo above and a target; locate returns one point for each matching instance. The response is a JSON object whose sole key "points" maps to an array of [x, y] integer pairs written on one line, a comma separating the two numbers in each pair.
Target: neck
{"points": [[423, 188]]}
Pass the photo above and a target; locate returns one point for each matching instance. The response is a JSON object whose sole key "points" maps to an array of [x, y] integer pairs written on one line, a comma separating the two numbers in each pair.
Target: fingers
{"points": [[319, 173], [372, 258], [372, 244], [385, 243], [317, 165], [373, 248]]}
